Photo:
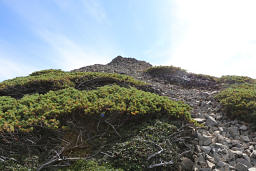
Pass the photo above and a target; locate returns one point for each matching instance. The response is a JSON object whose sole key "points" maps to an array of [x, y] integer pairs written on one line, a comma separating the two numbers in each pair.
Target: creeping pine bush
{"points": [[233, 79], [163, 70], [46, 110], [46, 80], [90, 165], [239, 101]]}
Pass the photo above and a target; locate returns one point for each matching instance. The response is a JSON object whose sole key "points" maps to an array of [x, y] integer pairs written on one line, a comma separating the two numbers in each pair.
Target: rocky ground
{"points": [[222, 145]]}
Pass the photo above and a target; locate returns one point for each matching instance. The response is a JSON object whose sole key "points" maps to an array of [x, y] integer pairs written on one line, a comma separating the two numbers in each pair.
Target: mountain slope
{"points": [[98, 118]]}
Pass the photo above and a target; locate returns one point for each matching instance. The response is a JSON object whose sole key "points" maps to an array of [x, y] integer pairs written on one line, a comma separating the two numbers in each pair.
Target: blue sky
{"points": [[203, 36]]}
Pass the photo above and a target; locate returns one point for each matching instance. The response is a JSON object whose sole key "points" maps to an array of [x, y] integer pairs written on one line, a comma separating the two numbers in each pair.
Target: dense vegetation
{"points": [[60, 115], [239, 101], [46, 80], [233, 79], [163, 70], [178, 76], [48, 109]]}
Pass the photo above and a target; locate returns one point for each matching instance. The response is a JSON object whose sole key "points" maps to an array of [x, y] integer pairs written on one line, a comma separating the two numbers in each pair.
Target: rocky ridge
{"points": [[223, 144]]}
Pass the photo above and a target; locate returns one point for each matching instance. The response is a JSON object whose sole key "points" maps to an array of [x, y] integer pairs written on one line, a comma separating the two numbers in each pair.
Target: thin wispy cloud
{"points": [[95, 9], [70, 55], [9, 68], [203, 36], [65, 51]]}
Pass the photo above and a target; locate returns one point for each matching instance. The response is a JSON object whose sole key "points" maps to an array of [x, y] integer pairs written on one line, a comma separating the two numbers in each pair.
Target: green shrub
{"points": [[233, 79], [239, 101], [90, 165], [163, 70], [48, 109], [47, 71], [142, 141], [46, 80]]}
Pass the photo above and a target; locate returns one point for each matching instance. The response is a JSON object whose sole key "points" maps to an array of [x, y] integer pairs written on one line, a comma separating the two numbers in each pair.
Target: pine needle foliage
{"points": [[233, 79], [47, 110], [163, 70], [46, 80], [239, 101]]}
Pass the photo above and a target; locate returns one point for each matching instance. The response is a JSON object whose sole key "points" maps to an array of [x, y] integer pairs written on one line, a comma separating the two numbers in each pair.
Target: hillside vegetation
{"points": [[46, 80], [82, 121], [239, 98]]}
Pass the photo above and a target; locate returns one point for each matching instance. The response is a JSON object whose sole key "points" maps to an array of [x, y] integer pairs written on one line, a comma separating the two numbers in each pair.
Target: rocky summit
{"points": [[128, 115], [222, 144]]}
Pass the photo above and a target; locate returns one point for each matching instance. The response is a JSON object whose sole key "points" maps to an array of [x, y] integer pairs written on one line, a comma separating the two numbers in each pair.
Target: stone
{"points": [[199, 120], [206, 149], [211, 121], [241, 167], [244, 162], [205, 169], [201, 159], [210, 158], [253, 154], [252, 169], [244, 138], [251, 147], [210, 164], [234, 131], [236, 143], [186, 164], [205, 139], [243, 128], [221, 129], [221, 164]]}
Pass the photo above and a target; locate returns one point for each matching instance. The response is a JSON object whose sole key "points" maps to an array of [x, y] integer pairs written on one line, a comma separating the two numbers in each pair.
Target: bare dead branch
{"points": [[159, 152], [113, 128], [160, 164]]}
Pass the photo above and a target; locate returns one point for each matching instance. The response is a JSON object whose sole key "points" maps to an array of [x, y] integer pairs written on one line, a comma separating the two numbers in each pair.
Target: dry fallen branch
{"points": [[159, 152], [113, 128], [160, 164]]}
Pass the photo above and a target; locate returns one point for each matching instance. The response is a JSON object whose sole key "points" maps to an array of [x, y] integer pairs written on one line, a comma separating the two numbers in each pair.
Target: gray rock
{"points": [[186, 164], [253, 154], [205, 139], [201, 159], [241, 167], [205, 169], [243, 128], [221, 129], [244, 162], [221, 164], [236, 143], [211, 121], [210, 164], [251, 147], [252, 169], [233, 131], [245, 138], [206, 149], [199, 120]]}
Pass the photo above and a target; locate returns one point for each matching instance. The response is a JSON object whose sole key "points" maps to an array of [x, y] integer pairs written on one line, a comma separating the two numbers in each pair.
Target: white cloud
{"points": [[10, 68], [69, 54], [95, 9], [214, 37], [64, 52]]}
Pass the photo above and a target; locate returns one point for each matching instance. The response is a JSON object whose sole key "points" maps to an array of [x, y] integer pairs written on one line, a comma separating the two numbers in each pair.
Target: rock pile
{"points": [[223, 144], [121, 65]]}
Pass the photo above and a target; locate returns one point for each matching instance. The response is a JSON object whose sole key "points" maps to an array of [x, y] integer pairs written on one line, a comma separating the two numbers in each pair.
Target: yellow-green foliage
{"points": [[159, 70], [239, 101], [46, 80], [46, 110], [233, 79], [90, 165], [47, 71]]}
